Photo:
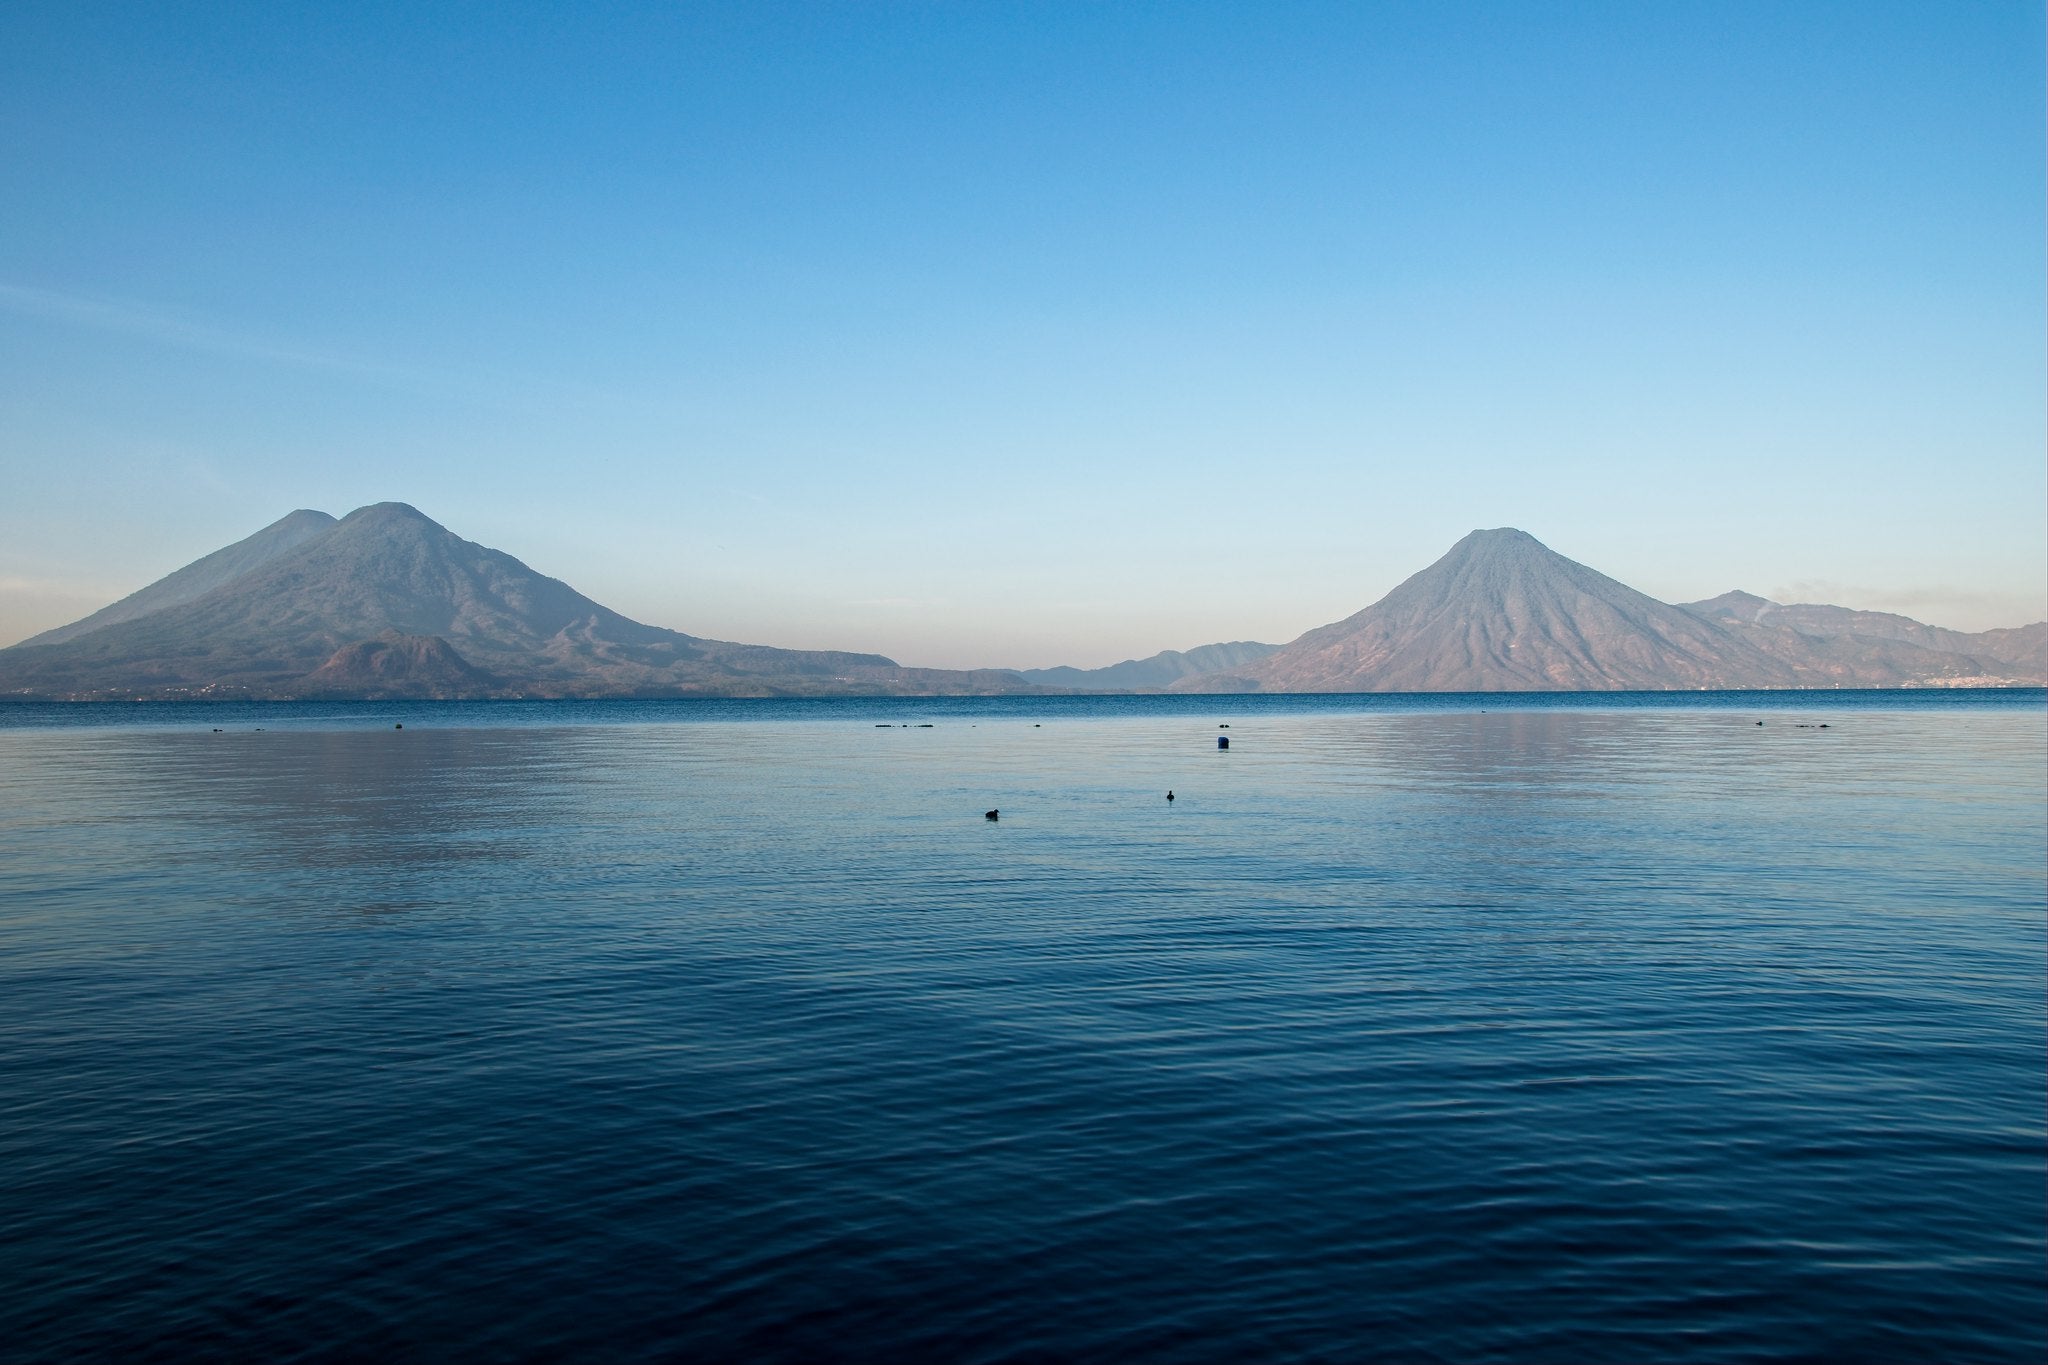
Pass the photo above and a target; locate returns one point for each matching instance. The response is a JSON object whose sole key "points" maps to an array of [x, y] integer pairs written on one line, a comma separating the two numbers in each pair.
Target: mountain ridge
{"points": [[1154, 671], [385, 602]]}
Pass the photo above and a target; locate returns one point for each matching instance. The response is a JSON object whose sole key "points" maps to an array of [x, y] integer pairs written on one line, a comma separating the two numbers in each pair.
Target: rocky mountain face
{"points": [[1160, 670], [1501, 612], [394, 665], [386, 602]]}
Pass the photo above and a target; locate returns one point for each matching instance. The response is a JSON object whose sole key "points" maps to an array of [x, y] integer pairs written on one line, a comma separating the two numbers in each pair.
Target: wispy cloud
{"points": [[126, 317], [184, 331]]}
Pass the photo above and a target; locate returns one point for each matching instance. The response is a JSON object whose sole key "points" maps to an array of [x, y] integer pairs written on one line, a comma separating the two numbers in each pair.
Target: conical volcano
{"points": [[1502, 612]]}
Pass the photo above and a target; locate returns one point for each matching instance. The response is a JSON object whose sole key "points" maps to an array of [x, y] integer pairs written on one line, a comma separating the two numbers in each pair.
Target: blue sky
{"points": [[982, 334]]}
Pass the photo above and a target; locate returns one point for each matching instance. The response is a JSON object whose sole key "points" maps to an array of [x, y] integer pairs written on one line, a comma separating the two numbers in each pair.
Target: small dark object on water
{"points": [[399, 726], [1169, 795], [1224, 726], [1759, 722], [990, 815], [1223, 741], [925, 726]]}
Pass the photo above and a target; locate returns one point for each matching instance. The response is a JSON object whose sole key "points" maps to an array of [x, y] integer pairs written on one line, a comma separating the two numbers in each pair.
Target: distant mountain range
{"points": [[387, 603]]}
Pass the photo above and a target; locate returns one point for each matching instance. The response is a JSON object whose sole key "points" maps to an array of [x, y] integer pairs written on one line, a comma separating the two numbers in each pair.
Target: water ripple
{"points": [[1408, 1034]]}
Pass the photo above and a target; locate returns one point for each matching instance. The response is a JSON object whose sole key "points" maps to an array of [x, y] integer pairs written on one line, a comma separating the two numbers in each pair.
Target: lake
{"points": [[1613, 1028]]}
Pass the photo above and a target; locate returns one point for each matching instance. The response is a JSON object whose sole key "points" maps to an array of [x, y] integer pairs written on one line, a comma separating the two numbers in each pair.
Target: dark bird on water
{"points": [[990, 815], [1169, 796]]}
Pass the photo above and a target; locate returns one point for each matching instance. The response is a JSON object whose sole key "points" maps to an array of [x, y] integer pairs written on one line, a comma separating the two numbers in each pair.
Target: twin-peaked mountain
{"points": [[387, 603]]}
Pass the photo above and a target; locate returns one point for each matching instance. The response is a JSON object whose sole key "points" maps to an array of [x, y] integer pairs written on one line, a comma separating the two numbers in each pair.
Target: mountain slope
{"points": [[200, 577], [2023, 647], [302, 620], [1161, 669], [1808, 618], [1873, 642]]}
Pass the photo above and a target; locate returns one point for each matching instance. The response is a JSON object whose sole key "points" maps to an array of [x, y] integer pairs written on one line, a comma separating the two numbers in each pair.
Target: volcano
{"points": [[1502, 612], [388, 602]]}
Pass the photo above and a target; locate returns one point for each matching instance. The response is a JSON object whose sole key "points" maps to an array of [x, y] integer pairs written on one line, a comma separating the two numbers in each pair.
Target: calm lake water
{"points": [[1620, 1029]]}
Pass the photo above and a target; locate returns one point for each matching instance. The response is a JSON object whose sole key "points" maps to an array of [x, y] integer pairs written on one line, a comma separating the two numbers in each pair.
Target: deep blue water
{"points": [[1465, 1029]]}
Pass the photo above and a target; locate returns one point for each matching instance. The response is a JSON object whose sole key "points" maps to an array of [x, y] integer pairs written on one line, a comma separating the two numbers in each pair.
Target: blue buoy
{"points": [[1223, 741]]}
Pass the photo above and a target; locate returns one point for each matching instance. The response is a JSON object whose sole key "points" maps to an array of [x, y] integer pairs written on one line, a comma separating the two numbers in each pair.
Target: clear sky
{"points": [[989, 334]]}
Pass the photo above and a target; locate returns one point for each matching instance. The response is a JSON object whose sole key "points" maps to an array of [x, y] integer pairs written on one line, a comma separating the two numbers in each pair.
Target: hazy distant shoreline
{"points": [[18, 713]]}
